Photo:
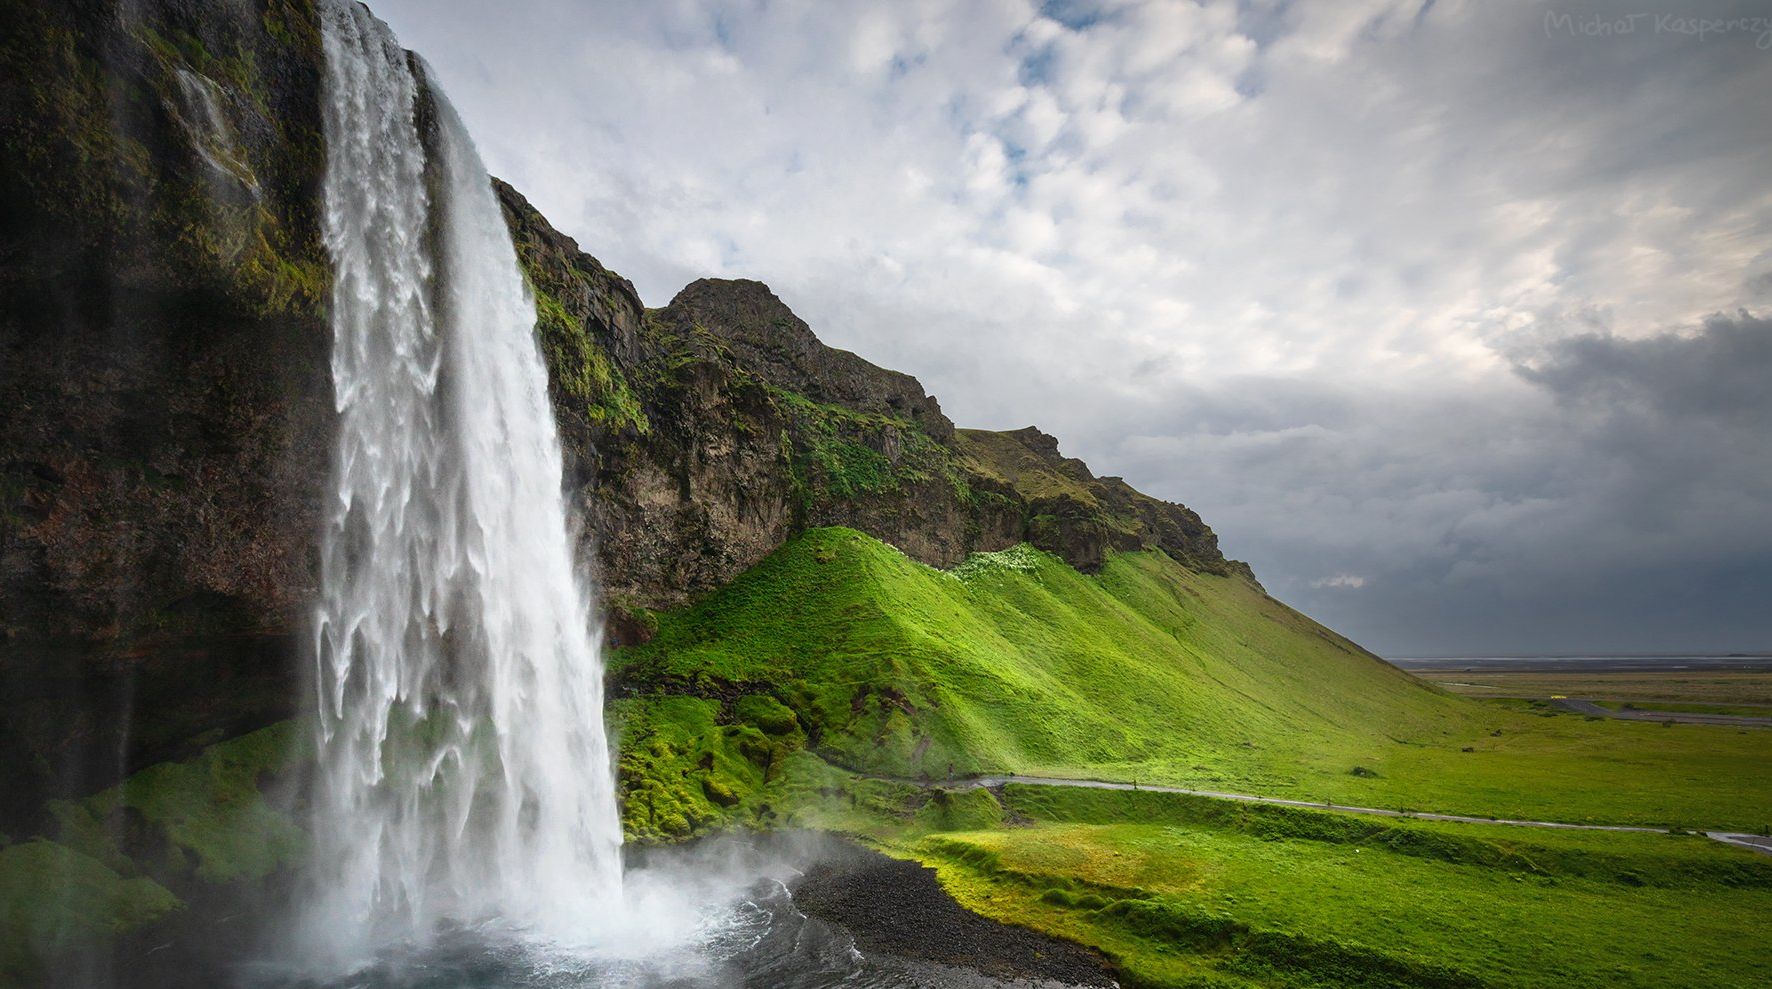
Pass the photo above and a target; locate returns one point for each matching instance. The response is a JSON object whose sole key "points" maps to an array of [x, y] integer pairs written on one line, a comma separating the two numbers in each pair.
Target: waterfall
{"points": [[464, 772]]}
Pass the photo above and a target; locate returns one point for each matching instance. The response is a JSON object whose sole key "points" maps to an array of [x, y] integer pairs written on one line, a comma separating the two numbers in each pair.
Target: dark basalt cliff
{"points": [[163, 376], [166, 439], [704, 433]]}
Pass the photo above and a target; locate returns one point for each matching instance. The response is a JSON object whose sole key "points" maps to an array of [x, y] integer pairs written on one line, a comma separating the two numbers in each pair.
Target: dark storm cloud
{"points": [[1723, 372], [1617, 496]]}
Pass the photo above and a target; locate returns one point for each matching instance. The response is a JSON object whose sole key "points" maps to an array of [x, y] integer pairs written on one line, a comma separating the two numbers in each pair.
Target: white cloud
{"points": [[1274, 260]]}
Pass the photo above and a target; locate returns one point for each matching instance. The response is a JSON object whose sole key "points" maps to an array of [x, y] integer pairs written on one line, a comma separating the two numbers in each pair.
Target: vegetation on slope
{"points": [[1148, 671], [829, 685]]}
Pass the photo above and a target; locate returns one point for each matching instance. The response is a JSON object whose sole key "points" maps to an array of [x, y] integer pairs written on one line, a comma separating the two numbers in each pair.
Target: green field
{"points": [[1147, 671], [1688, 707], [1708, 687], [1202, 893]]}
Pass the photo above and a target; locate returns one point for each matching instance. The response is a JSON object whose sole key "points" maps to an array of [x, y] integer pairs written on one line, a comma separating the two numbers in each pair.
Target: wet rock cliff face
{"points": [[163, 371], [164, 367]]}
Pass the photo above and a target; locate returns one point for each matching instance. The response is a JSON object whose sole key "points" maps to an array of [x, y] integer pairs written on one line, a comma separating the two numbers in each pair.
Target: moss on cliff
{"points": [[839, 453], [580, 308], [208, 818], [62, 148], [162, 143], [1004, 458], [581, 371], [233, 205], [55, 901]]}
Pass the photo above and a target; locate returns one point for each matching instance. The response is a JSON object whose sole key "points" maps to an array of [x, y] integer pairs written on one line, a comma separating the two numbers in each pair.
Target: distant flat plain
{"points": [[1727, 684]]}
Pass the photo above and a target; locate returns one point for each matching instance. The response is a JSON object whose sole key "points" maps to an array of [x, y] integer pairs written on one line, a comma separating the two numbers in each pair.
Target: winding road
{"points": [[1753, 842]]}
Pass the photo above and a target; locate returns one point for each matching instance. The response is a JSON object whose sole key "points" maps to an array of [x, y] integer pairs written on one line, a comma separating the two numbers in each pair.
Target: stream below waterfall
{"points": [[796, 912], [762, 940]]}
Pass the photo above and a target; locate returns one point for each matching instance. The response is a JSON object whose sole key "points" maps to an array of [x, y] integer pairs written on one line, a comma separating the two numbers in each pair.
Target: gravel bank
{"points": [[897, 907]]}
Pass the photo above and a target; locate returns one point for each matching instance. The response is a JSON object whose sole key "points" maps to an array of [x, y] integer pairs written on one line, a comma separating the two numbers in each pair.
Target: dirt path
{"points": [[1758, 843], [1582, 705]]}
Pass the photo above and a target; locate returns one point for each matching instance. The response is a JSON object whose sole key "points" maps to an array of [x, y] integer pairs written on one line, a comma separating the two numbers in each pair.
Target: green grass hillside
{"points": [[802, 693], [1015, 662], [1183, 891]]}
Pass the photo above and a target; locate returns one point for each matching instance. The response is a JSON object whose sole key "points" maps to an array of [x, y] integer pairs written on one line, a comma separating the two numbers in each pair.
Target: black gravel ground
{"points": [[898, 908]]}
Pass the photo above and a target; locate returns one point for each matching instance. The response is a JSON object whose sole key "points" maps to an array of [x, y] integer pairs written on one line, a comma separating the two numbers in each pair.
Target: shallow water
{"points": [[760, 939]]}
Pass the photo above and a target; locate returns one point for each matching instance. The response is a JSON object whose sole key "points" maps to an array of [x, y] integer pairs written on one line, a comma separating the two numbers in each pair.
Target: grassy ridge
{"points": [[1016, 662]]}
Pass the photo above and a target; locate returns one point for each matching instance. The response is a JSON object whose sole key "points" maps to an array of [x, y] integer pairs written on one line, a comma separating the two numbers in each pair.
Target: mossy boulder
{"points": [[767, 713], [58, 904], [202, 836], [206, 819]]}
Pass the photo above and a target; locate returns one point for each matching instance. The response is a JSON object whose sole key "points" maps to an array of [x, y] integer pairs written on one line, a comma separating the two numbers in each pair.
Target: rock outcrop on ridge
{"points": [[705, 432]]}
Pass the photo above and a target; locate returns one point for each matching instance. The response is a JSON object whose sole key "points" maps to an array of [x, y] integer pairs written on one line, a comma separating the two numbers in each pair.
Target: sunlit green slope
{"points": [[1148, 671]]}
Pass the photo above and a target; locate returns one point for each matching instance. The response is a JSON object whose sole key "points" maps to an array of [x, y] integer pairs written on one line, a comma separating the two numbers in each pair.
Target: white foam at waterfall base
{"points": [[464, 774]]}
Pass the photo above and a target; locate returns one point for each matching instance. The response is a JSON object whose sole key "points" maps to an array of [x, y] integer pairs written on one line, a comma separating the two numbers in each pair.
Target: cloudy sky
{"points": [[1454, 318]]}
